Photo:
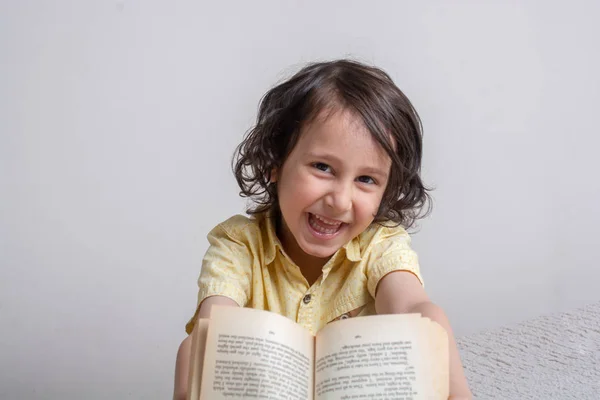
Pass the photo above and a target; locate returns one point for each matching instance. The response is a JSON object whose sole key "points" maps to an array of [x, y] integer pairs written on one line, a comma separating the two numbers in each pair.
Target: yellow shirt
{"points": [[246, 262]]}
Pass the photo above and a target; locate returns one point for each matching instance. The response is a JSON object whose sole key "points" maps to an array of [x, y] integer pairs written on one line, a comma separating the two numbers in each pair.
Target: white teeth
{"points": [[317, 223], [327, 221]]}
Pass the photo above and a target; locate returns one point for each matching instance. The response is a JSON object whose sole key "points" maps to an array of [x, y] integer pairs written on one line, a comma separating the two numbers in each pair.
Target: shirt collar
{"points": [[272, 244]]}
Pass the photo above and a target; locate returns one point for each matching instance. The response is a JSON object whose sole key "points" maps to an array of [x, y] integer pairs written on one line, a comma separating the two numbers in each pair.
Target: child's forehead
{"points": [[341, 132], [338, 126], [338, 117]]}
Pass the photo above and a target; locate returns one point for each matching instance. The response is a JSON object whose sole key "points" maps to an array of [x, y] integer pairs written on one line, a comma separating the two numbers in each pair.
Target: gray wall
{"points": [[118, 121]]}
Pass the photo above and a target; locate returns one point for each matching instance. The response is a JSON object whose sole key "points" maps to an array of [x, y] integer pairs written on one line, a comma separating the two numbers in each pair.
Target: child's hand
{"points": [[401, 292]]}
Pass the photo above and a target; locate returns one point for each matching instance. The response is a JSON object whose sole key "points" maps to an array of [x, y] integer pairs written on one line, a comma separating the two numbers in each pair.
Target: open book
{"points": [[242, 353]]}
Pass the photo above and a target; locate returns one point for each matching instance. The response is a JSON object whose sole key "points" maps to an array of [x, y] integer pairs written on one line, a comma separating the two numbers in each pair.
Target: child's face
{"points": [[331, 184]]}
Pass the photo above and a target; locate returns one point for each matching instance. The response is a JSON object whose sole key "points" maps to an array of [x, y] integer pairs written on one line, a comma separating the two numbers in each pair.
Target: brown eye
{"points": [[366, 179], [321, 166]]}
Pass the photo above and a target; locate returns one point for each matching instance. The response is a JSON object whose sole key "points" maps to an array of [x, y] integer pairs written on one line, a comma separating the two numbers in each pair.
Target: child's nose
{"points": [[339, 198]]}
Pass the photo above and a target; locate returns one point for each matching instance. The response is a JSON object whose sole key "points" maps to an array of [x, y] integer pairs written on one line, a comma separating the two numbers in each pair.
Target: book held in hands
{"points": [[243, 353]]}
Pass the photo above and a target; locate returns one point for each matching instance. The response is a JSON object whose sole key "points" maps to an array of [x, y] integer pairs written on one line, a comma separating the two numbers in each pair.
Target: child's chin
{"points": [[321, 252]]}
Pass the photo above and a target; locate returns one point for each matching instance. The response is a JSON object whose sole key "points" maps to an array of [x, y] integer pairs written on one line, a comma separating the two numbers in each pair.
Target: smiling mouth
{"points": [[324, 227]]}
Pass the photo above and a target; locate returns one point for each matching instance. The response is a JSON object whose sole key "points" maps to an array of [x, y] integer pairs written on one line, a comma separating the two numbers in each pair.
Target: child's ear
{"points": [[273, 177]]}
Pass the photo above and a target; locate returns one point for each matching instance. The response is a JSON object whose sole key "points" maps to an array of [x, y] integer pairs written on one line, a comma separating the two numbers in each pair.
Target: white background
{"points": [[118, 121]]}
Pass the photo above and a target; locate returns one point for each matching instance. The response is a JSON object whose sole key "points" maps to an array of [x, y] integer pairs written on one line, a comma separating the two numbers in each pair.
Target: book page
{"points": [[440, 360], [385, 357], [256, 354], [197, 358]]}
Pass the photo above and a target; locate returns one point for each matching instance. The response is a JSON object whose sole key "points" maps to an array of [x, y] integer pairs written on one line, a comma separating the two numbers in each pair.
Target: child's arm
{"points": [[401, 292], [182, 365]]}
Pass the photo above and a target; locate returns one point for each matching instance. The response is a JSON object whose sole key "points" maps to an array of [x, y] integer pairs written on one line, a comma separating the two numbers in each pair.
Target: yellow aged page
{"points": [[385, 357], [256, 354], [439, 361], [197, 358]]}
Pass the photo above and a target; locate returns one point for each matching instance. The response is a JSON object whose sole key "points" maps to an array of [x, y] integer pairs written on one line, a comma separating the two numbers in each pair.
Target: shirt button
{"points": [[306, 299]]}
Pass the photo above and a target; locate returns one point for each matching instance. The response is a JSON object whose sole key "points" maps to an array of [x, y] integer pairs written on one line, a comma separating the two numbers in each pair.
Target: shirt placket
{"points": [[310, 301], [306, 310]]}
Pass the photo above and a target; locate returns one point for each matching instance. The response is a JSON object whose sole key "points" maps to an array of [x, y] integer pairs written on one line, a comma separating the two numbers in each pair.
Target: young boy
{"points": [[333, 166]]}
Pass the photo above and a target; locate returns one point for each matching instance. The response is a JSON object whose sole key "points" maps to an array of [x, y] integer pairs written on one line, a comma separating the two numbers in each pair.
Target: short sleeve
{"points": [[226, 270], [392, 253]]}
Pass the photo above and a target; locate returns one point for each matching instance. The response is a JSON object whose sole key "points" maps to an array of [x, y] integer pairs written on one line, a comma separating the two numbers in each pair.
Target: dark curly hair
{"points": [[367, 92]]}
